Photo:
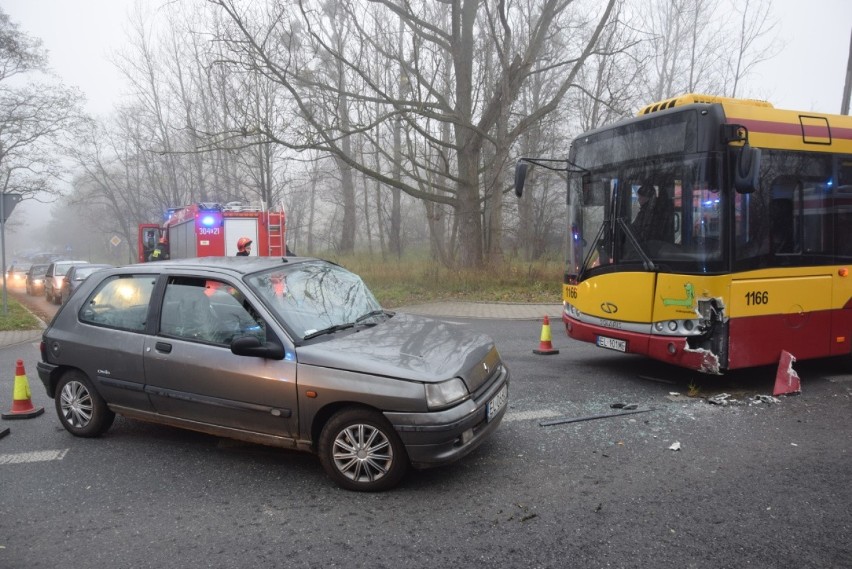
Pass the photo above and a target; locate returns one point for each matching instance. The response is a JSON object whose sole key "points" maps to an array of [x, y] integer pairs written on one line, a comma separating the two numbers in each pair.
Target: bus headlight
{"points": [[572, 311], [691, 327]]}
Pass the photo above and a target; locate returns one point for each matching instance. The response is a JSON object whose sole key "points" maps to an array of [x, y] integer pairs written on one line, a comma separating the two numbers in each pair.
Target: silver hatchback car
{"points": [[294, 353]]}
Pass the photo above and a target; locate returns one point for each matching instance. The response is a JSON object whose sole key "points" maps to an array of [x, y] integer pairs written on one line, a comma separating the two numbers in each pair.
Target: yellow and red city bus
{"points": [[710, 233]]}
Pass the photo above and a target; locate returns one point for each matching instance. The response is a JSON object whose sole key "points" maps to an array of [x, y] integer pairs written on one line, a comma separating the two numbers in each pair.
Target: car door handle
{"points": [[163, 347]]}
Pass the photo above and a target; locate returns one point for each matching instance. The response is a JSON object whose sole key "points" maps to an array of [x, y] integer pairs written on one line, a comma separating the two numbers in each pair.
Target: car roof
{"points": [[92, 266], [235, 265]]}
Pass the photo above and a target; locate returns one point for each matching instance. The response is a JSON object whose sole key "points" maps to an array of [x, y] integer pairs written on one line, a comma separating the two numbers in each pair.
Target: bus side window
{"points": [[781, 214], [785, 216]]}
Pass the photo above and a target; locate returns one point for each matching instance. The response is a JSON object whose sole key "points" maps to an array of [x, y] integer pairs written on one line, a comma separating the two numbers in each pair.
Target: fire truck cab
{"points": [[212, 229]]}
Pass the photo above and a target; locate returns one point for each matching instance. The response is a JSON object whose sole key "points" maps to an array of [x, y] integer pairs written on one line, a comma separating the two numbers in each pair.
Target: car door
{"points": [[108, 339], [192, 374]]}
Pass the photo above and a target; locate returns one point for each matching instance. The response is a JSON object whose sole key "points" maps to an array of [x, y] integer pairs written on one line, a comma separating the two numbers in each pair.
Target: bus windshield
{"points": [[656, 215]]}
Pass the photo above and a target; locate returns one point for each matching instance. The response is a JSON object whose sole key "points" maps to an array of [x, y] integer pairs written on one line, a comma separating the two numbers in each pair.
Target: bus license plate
{"points": [[497, 402], [612, 344]]}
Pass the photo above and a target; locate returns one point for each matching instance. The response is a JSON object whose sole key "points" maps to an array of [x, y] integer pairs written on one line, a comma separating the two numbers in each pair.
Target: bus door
{"points": [[787, 303]]}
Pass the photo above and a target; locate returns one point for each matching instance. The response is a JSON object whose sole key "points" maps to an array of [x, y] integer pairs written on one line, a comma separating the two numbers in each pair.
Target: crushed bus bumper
{"points": [[670, 349]]}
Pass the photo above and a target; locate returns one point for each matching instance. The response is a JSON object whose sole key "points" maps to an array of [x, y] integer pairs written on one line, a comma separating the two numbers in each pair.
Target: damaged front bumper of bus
{"points": [[699, 343]]}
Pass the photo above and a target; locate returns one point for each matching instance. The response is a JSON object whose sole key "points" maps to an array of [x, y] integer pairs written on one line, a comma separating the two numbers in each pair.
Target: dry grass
{"points": [[414, 280]]}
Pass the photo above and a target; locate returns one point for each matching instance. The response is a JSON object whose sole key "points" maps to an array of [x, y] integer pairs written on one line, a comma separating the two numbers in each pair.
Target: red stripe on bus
{"points": [[795, 129], [753, 341], [806, 336]]}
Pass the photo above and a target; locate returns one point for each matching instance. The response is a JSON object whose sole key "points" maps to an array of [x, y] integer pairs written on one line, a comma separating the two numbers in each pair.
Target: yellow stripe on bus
{"points": [[645, 297]]}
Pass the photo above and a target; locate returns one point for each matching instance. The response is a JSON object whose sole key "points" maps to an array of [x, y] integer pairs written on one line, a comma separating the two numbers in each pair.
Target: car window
{"points": [[209, 311], [120, 301], [314, 296]]}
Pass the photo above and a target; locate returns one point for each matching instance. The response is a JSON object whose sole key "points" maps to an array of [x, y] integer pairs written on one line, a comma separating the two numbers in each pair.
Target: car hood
{"points": [[407, 347]]}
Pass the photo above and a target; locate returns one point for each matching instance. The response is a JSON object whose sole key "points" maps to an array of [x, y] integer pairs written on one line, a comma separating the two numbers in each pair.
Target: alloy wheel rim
{"points": [[362, 453], [76, 404]]}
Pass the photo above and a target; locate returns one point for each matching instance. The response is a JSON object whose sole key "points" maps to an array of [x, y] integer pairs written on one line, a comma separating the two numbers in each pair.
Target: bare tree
{"points": [[444, 46], [755, 42], [38, 115], [700, 46]]}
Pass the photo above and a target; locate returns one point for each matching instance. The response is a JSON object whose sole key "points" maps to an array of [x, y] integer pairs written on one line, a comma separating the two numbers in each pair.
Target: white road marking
{"points": [[35, 456]]}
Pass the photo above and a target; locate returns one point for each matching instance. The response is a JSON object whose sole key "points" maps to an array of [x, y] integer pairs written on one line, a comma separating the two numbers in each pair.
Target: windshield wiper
{"points": [[339, 327], [370, 315], [329, 330], [646, 260]]}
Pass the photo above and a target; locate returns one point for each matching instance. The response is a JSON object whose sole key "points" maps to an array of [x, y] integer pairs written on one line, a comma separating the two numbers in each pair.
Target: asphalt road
{"points": [[753, 485]]}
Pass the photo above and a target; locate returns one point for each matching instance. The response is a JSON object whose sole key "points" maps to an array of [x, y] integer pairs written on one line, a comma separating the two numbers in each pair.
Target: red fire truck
{"points": [[211, 229]]}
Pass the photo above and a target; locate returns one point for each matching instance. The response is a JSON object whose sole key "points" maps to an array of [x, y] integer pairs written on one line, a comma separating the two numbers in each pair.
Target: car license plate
{"points": [[497, 402], [612, 344]]}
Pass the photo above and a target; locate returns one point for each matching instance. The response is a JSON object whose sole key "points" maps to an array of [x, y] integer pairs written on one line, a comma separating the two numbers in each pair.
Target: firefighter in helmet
{"points": [[161, 251], [244, 247]]}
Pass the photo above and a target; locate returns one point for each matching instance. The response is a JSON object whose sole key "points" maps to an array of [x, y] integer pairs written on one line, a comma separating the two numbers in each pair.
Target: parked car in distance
{"points": [[17, 274], [54, 276], [35, 279], [77, 274], [294, 353]]}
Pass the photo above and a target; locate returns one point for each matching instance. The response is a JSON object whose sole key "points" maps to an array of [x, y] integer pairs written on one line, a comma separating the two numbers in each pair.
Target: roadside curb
{"points": [[484, 310]]}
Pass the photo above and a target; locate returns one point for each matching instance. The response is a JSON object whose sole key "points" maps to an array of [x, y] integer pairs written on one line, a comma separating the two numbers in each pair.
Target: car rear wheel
{"points": [[360, 450], [81, 409]]}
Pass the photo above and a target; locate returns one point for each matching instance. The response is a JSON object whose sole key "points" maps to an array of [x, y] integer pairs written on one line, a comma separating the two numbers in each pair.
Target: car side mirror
{"points": [[252, 346]]}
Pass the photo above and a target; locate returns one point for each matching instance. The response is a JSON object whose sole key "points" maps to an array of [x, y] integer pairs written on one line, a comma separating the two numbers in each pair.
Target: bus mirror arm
{"points": [[747, 166], [524, 163]]}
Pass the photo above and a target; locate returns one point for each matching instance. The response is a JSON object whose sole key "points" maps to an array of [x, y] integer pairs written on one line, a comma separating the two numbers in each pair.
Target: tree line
{"points": [[377, 125]]}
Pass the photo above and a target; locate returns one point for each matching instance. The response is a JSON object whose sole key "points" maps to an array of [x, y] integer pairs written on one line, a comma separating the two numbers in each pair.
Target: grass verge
{"points": [[16, 317], [418, 280]]}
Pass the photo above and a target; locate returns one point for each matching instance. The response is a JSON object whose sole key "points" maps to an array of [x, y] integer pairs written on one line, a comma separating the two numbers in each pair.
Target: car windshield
{"points": [[312, 297]]}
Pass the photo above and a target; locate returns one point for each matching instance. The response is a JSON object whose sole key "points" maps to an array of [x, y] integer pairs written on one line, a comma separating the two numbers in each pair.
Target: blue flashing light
{"points": [[208, 220]]}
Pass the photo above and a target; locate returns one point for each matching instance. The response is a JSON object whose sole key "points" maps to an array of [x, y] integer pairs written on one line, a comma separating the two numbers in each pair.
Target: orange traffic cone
{"points": [[22, 405], [545, 347]]}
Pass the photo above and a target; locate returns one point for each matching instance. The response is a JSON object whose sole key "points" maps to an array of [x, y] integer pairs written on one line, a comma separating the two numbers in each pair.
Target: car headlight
{"points": [[445, 394]]}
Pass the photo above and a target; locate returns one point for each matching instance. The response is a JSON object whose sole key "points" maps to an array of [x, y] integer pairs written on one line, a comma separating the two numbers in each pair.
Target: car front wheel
{"points": [[81, 409], [360, 450]]}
